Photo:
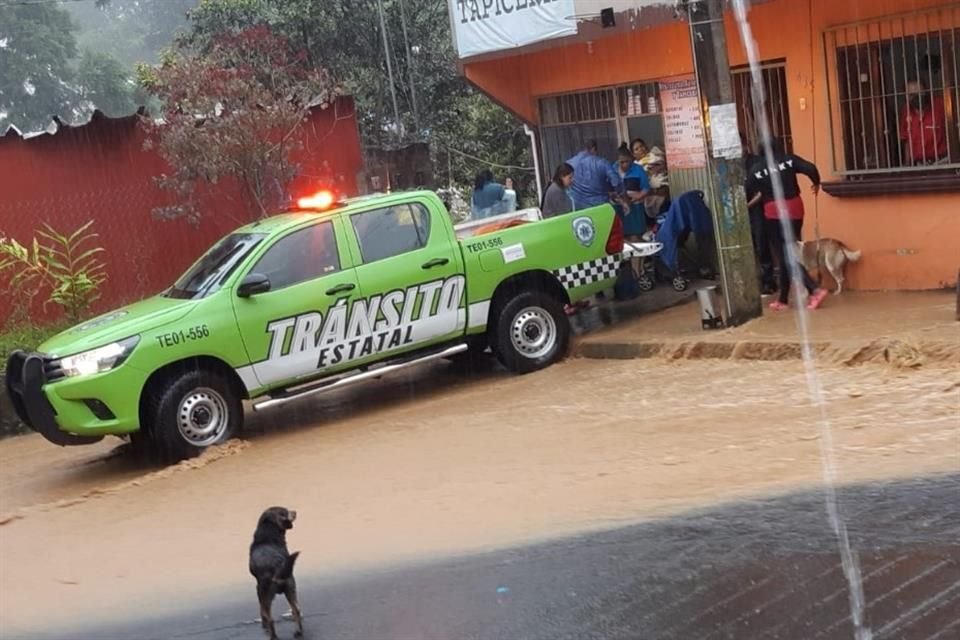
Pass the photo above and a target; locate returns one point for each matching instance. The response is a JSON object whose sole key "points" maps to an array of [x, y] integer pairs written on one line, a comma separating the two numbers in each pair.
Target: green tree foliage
{"points": [[104, 83], [132, 31], [44, 73], [345, 37], [37, 44]]}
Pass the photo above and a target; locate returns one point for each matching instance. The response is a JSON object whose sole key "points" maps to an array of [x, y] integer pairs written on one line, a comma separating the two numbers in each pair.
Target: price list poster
{"points": [[682, 125]]}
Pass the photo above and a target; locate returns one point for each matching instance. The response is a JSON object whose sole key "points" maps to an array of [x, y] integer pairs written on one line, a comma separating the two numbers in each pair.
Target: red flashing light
{"points": [[319, 201], [616, 237]]}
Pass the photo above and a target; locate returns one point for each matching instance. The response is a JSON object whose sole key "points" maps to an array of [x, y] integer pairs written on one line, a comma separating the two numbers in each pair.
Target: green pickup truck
{"points": [[309, 301]]}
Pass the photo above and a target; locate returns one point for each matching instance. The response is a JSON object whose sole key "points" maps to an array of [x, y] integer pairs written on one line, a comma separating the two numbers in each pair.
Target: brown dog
{"points": [[828, 254], [272, 565]]}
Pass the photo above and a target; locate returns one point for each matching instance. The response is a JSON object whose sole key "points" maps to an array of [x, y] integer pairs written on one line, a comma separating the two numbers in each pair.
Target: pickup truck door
{"points": [[292, 331], [410, 268]]}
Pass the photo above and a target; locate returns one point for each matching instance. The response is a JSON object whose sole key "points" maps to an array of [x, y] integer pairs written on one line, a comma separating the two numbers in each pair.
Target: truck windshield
{"points": [[210, 272]]}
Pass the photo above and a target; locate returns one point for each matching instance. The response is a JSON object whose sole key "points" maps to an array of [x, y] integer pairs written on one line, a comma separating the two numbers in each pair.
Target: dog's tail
{"points": [[850, 254], [287, 569]]}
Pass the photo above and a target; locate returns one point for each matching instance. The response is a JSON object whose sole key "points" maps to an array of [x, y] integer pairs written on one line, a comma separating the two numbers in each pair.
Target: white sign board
{"points": [[482, 26], [725, 131], [682, 122]]}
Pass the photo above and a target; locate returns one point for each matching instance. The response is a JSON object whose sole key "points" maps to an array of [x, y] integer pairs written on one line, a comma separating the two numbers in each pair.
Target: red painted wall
{"points": [[100, 171]]}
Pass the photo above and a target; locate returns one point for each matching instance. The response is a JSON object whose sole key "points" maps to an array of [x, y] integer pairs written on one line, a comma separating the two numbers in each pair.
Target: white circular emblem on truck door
{"points": [[584, 230]]}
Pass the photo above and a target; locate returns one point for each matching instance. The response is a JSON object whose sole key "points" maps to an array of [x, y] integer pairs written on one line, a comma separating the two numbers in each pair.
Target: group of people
{"points": [[585, 180], [588, 180]]}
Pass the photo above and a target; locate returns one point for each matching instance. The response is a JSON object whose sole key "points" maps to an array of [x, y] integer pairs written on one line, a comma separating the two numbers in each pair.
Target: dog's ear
{"points": [[274, 516]]}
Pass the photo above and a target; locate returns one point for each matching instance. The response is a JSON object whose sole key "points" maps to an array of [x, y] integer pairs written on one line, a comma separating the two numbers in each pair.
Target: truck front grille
{"points": [[52, 370]]}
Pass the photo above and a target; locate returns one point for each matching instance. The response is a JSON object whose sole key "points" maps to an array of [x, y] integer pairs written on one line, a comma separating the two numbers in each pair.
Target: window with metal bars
{"points": [[777, 105], [589, 106], [639, 99], [895, 93], [570, 120]]}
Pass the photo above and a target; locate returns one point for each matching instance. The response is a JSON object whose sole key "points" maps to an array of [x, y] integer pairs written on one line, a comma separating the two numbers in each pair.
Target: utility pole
{"points": [[410, 69], [386, 52], [728, 200]]}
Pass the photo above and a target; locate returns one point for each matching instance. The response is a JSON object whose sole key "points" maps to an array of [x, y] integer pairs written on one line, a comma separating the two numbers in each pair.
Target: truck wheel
{"points": [[191, 411], [531, 332]]}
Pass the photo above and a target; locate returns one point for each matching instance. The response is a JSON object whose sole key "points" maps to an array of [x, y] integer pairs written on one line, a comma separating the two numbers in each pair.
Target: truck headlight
{"points": [[98, 360]]}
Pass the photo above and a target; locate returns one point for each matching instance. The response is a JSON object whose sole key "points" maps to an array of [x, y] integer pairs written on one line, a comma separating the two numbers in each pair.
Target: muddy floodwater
{"points": [[438, 463]]}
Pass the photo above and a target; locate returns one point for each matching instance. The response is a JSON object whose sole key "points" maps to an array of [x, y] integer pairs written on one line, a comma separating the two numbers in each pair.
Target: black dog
{"points": [[272, 565]]}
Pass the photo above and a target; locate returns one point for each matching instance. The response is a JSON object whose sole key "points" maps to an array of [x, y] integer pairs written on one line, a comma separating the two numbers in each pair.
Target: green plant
{"points": [[25, 282], [66, 266]]}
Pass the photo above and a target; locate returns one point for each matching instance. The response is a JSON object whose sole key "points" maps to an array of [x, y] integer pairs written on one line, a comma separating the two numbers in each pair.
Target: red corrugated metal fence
{"points": [[100, 171]]}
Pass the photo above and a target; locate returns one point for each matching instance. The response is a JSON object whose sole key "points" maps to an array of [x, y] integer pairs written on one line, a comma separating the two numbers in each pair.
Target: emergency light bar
{"points": [[318, 201]]}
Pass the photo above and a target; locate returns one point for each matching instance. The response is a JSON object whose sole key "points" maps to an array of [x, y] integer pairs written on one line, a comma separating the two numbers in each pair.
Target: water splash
{"points": [[851, 566]]}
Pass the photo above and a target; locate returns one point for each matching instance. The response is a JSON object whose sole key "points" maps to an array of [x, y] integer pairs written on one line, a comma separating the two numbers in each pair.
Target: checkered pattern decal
{"points": [[579, 275]]}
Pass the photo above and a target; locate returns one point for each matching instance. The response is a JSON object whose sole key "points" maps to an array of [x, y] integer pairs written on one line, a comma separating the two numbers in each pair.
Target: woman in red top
{"points": [[923, 126], [760, 189]]}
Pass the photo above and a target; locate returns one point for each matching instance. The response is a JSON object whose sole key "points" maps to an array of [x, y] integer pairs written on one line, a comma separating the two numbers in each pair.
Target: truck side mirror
{"points": [[252, 284]]}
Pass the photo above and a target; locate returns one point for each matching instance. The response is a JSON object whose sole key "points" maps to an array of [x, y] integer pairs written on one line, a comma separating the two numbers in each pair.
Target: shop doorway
{"points": [[649, 128], [640, 113]]}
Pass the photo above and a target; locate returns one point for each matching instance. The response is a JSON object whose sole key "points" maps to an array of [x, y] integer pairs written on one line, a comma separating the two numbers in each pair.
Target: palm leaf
{"points": [[86, 254], [79, 232]]}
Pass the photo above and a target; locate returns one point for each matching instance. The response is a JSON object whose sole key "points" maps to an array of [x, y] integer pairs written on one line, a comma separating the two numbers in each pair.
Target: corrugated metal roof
{"points": [[57, 125]]}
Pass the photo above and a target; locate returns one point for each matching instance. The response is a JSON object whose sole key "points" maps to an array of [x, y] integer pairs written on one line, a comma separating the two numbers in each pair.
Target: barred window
{"points": [[639, 99], [570, 120], [895, 93], [589, 106], [774, 77]]}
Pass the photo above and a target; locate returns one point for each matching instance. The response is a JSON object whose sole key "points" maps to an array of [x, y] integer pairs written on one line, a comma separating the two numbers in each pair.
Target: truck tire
{"points": [[190, 411], [530, 332]]}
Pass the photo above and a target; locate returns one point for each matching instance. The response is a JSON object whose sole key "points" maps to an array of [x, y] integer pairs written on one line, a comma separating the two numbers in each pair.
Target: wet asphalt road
{"points": [[765, 569]]}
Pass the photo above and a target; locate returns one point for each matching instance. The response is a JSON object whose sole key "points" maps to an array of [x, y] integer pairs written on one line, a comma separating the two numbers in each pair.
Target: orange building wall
{"points": [[908, 242]]}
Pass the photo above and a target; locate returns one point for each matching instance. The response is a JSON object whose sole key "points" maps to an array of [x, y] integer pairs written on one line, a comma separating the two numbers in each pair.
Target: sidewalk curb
{"points": [[889, 350]]}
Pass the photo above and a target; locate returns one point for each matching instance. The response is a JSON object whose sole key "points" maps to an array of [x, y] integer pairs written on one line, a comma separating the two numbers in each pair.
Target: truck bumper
{"points": [[26, 377]]}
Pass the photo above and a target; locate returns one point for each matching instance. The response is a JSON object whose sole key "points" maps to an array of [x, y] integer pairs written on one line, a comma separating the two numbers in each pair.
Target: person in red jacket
{"points": [[923, 126], [760, 189]]}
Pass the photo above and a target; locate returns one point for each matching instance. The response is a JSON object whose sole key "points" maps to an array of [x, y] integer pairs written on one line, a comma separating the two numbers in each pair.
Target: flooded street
{"points": [[437, 464]]}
